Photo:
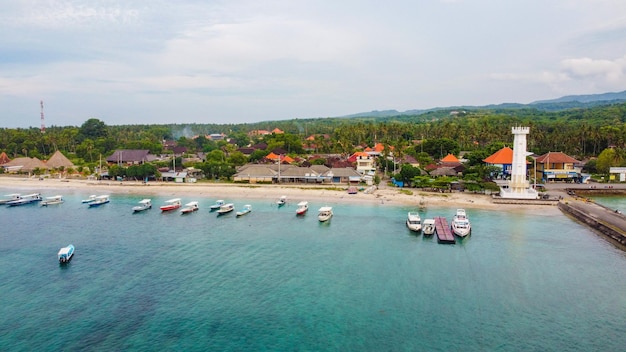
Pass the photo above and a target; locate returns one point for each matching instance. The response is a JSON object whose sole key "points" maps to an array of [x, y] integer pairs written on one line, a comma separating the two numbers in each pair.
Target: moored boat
{"points": [[226, 208], [52, 200], [189, 208], [217, 205], [65, 254], [413, 221], [302, 208], [90, 199], [144, 204], [460, 223], [25, 199], [245, 210], [428, 227], [171, 204], [10, 198], [100, 200], [281, 201], [325, 213]]}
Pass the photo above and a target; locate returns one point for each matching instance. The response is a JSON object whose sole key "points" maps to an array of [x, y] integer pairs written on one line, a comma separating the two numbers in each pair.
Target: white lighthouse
{"points": [[518, 187]]}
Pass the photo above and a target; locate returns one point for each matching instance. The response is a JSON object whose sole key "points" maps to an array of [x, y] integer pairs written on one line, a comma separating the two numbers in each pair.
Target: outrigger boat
{"points": [[144, 204], [90, 199], [226, 208], [218, 204], [171, 204], [25, 199], [52, 200], [302, 208], [100, 200], [281, 201], [325, 213], [10, 198], [189, 208]]}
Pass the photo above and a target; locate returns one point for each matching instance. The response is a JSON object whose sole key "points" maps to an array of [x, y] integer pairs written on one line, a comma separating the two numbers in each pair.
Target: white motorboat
{"points": [[245, 210], [89, 199], [413, 221], [302, 208], [460, 223], [428, 227], [144, 204], [52, 200], [25, 199], [281, 201], [100, 200], [189, 208], [171, 204], [226, 208], [217, 205], [325, 213], [10, 198], [65, 254]]}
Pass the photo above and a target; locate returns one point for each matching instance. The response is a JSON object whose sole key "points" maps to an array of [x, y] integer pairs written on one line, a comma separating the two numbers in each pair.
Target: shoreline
{"points": [[332, 194]]}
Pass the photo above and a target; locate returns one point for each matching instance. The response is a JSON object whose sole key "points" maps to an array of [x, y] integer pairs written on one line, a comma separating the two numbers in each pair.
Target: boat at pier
{"points": [[9, 198], [414, 221], [428, 227], [25, 199], [460, 223]]}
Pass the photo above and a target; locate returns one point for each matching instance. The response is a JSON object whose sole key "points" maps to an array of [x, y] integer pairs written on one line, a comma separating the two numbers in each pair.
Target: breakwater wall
{"points": [[600, 224]]}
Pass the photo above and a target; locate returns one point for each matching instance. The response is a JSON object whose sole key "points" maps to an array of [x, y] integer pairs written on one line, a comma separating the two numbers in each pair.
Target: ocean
{"points": [[271, 281]]}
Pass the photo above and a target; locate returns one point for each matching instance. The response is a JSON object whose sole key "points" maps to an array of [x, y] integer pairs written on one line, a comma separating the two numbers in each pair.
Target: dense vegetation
{"points": [[598, 131]]}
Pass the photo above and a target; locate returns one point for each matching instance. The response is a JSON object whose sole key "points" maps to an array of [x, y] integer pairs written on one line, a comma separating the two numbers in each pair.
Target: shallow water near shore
{"points": [[527, 280]]}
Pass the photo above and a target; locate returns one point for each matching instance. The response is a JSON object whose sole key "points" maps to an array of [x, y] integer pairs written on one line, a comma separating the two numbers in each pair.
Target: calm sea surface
{"points": [[271, 281]]}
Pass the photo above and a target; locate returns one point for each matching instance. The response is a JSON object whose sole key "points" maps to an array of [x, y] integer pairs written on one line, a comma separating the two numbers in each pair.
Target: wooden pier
{"points": [[444, 233]]}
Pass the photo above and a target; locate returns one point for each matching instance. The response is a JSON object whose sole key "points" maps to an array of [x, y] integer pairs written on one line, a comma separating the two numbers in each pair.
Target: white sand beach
{"points": [[332, 194]]}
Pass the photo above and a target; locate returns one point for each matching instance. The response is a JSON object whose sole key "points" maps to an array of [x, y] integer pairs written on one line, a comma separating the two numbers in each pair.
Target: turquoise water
{"points": [[532, 281]]}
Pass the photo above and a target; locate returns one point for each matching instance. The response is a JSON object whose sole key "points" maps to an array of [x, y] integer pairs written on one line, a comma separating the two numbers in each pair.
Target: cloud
{"points": [[588, 68]]}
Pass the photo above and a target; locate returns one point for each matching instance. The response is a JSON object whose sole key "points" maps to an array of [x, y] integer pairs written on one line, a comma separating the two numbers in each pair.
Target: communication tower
{"points": [[43, 125]]}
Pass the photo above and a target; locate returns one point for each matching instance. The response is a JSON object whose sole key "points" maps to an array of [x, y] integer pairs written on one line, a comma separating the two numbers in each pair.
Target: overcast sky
{"points": [[233, 61]]}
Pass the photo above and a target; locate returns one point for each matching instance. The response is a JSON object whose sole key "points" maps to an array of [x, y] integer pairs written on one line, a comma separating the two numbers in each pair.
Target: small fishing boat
{"points": [[413, 221], [225, 209], [281, 201], [428, 227], [25, 199], [302, 208], [324, 214], [10, 198], [52, 200], [89, 199], [217, 205], [100, 200], [144, 204], [171, 204], [189, 208], [65, 254], [245, 210]]}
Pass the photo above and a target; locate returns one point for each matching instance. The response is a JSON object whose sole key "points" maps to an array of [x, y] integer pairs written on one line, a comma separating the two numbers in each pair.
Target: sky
{"points": [[239, 61]]}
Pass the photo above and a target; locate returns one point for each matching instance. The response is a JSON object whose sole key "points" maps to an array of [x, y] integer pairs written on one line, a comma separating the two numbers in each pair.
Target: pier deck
{"points": [[444, 233]]}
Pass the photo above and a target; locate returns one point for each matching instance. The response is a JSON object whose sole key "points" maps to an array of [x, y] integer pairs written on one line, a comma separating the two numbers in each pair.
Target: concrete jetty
{"points": [[606, 221]]}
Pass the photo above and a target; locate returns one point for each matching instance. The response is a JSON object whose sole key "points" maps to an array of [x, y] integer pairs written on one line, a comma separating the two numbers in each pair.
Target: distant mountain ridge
{"points": [[562, 103]]}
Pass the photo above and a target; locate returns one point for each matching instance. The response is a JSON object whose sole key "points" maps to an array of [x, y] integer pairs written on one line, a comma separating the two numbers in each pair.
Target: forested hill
{"points": [[559, 104]]}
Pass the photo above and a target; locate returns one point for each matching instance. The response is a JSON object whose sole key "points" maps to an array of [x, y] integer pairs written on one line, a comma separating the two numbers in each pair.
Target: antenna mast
{"points": [[43, 125]]}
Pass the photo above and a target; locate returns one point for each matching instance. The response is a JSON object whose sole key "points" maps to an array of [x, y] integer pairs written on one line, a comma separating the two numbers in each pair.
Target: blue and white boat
{"points": [[65, 254], [218, 204], [52, 200], [90, 199], [245, 210], [25, 199], [100, 200], [144, 204], [10, 197]]}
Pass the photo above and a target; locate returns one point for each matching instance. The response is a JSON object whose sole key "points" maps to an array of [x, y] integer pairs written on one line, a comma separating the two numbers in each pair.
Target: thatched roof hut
{"points": [[25, 164], [58, 160]]}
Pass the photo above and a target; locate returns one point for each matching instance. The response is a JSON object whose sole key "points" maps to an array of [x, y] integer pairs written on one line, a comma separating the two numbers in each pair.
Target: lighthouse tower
{"points": [[518, 187]]}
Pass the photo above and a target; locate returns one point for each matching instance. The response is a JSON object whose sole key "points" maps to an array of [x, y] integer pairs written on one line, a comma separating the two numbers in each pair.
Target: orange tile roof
{"points": [[556, 157], [277, 131], [502, 156], [450, 159]]}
